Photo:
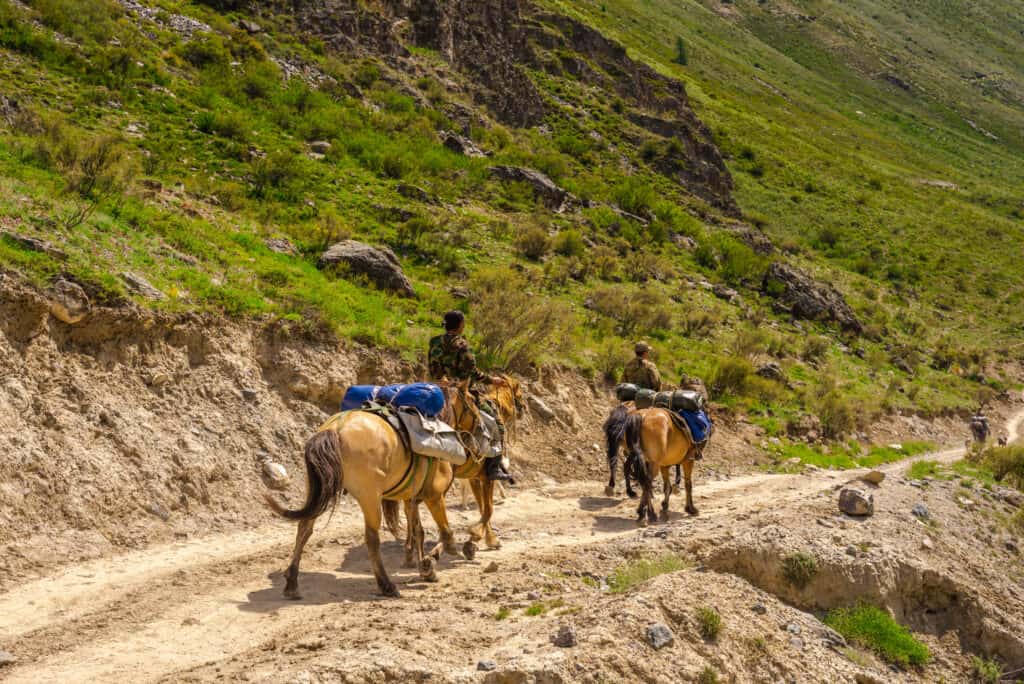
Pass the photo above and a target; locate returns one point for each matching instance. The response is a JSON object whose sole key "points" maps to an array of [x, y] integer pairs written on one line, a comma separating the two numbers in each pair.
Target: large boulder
{"points": [[379, 264], [807, 298], [461, 144], [549, 193], [68, 301]]}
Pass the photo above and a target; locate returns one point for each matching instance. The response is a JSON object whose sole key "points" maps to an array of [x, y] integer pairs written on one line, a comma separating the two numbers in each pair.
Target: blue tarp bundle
{"points": [[699, 424], [427, 398]]}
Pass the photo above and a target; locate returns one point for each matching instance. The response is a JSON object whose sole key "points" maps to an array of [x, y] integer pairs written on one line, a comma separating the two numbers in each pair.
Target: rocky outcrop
{"points": [[495, 44], [379, 264], [68, 301], [544, 188], [804, 297], [460, 144]]}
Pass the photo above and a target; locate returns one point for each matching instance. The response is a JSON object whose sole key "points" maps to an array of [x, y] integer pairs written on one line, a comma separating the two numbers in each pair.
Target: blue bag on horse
{"points": [[699, 424], [425, 397], [357, 395], [386, 394]]}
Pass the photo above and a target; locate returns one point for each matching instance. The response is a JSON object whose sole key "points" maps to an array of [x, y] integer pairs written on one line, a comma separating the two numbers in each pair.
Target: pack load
{"points": [[431, 437], [680, 400], [425, 397], [699, 424], [644, 398], [626, 391]]}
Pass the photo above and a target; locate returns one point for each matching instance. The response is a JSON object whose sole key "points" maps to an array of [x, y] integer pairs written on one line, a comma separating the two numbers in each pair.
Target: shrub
{"points": [[731, 376], [815, 348], [986, 671], [708, 675], [569, 243], [83, 20], [635, 195], [533, 242], [604, 262], [644, 310], [634, 572], [799, 569], [1007, 463], [710, 622], [611, 359], [874, 628], [277, 170], [206, 51], [515, 326], [837, 414]]}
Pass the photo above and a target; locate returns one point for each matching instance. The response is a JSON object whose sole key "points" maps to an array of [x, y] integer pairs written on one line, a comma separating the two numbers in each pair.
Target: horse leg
{"points": [[666, 493], [410, 537], [626, 463], [490, 538], [424, 563], [469, 549], [679, 478], [291, 587], [613, 463], [440, 515], [688, 472], [372, 520]]}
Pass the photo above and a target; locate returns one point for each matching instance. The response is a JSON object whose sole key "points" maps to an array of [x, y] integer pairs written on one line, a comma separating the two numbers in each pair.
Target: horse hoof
{"points": [[691, 510], [427, 571], [493, 542], [630, 493], [391, 591], [609, 491], [664, 517], [642, 522], [292, 595], [675, 490], [469, 550]]}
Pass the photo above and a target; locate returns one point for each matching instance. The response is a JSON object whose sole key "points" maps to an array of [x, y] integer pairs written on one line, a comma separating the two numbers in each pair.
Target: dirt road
{"points": [[159, 613]]}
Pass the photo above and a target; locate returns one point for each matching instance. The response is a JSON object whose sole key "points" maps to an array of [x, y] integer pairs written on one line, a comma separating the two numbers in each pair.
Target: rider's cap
{"points": [[642, 347], [453, 319]]}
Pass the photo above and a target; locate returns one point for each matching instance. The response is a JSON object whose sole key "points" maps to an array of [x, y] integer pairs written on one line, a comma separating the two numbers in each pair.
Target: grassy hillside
{"points": [[171, 143]]}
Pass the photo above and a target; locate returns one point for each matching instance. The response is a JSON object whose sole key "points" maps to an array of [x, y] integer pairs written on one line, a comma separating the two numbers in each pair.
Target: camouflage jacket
{"points": [[449, 356], [643, 374]]}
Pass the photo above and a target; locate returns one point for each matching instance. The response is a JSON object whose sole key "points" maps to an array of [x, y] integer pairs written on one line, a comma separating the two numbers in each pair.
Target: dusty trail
{"points": [[150, 614]]}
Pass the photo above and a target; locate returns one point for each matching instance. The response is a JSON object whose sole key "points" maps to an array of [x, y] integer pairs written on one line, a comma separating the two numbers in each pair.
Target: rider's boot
{"points": [[494, 471]]}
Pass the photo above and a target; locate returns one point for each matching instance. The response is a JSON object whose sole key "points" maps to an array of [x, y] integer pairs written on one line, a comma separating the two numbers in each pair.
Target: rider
{"points": [[450, 357], [979, 425], [641, 371]]}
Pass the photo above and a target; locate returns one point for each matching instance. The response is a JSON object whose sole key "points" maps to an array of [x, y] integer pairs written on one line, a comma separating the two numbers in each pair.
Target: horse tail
{"points": [[323, 478], [391, 518], [614, 429], [633, 433]]}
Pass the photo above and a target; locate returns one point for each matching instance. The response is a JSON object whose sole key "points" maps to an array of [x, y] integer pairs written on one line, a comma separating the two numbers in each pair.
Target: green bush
{"points": [[799, 569], [731, 377], [569, 243], [709, 622], [277, 171], [873, 628], [644, 311], [89, 21], [533, 242], [206, 51], [986, 671], [515, 327], [1007, 463], [637, 571]]}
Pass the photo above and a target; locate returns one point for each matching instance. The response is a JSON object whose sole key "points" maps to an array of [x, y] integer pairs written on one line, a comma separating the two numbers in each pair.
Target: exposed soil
{"points": [[134, 545]]}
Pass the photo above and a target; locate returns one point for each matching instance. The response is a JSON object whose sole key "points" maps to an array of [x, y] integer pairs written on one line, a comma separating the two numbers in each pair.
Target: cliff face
{"points": [[496, 45]]}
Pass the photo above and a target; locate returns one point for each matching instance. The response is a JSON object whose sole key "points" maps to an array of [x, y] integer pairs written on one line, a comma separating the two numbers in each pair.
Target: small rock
{"points": [[874, 477], [158, 379], [916, 483], [141, 286], [566, 637], [250, 26], [249, 394], [276, 475], [379, 264], [533, 596], [35, 245], [927, 543], [921, 511], [759, 608], [540, 408], [965, 502], [833, 637], [314, 644], [486, 666], [281, 246], [797, 643], [159, 510], [320, 146], [68, 301], [851, 550], [659, 636], [7, 658], [856, 502], [190, 622], [867, 678], [1011, 546], [414, 192], [492, 567], [793, 628]]}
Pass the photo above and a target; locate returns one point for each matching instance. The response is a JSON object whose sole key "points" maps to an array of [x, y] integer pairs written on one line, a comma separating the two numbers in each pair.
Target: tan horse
{"points": [[360, 453], [614, 430], [657, 444]]}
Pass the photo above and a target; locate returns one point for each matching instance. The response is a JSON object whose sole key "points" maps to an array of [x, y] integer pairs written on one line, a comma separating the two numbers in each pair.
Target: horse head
{"points": [[460, 408]]}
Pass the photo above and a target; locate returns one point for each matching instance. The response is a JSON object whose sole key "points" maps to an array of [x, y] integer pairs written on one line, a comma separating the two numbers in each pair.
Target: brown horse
{"points": [[614, 430], [656, 444], [360, 453]]}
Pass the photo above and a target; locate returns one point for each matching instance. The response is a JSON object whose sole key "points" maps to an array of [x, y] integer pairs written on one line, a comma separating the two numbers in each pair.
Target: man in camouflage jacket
{"points": [[641, 371], [450, 357]]}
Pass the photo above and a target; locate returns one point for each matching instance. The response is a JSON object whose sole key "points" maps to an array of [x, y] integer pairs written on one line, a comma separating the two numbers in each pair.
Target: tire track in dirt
{"points": [[152, 613]]}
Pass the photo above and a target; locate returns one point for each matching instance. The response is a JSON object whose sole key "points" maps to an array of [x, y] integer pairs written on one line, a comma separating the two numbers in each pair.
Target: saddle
{"points": [[681, 423]]}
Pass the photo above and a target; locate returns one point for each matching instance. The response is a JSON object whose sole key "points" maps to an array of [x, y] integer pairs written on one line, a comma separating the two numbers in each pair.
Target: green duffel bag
{"points": [[644, 398], [626, 391], [680, 400]]}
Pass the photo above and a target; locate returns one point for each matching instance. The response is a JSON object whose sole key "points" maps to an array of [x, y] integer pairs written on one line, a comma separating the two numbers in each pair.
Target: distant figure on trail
{"points": [[979, 426], [641, 371], [450, 357]]}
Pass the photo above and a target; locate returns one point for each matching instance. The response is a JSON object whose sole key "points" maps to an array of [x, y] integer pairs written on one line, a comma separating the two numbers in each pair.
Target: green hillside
{"points": [[879, 150]]}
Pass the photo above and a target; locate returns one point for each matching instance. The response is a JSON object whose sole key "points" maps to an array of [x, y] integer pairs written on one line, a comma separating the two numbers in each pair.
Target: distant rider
{"points": [[641, 371], [450, 357], [979, 426]]}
